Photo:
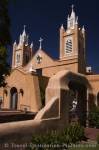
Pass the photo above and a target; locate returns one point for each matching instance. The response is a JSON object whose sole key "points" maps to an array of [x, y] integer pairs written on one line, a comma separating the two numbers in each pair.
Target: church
{"points": [[32, 73]]}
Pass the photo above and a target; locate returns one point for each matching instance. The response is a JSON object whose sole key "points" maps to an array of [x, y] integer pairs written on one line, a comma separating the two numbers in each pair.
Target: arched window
{"points": [[5, 92], [13, 98], [18, 58], [26, 58], [22, 92], [68, 46], [98, 99]]}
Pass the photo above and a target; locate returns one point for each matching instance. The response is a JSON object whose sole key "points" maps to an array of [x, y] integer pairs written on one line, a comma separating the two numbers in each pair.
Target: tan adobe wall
{"points": [[49, 71], [50, 67], [31, 92], [45, 60], [94, 81]]}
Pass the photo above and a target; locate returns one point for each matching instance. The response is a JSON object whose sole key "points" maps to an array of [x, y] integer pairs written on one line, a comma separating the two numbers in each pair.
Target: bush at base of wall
{"points": [[94, 117], [71, 134]]}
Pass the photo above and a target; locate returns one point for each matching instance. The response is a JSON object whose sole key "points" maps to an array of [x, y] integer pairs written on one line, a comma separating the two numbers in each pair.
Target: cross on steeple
{"points": [[24, 32], [72, 20], [72, 6], [41, 40], [24, 27]]}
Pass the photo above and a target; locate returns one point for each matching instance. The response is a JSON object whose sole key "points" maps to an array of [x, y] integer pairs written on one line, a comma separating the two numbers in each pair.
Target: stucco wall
{"points": [[50, 71], [54, 116], [94, 81], [29, 83]]}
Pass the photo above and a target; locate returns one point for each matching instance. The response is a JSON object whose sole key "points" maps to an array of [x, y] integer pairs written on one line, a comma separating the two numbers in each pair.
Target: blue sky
{"points": [[43, 18]]}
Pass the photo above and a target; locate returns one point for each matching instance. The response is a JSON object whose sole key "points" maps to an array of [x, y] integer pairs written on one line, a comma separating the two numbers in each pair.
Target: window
{"points": [[39, 71], [18, 58], [26, 58], [68, 46]]}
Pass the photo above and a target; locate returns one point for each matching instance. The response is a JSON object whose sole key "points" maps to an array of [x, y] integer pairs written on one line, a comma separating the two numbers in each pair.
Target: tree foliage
{"points": [[94, 116], [5, 39]]}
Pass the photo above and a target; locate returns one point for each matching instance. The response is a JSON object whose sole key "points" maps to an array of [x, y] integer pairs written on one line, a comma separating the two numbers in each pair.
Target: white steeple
{"points": [[23, 37], [72, 13], [31, 46], [83, 29], [76, 22], [72, 20], [24, 32], [20, 40], [15, 44], [62, 27]]}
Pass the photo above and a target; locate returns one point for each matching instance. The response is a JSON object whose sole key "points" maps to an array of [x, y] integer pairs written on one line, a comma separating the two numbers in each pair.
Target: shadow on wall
{"points": [[55, 114]]}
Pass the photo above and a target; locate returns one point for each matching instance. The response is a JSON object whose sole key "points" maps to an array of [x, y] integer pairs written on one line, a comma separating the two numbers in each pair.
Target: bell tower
{"points": [[22, 52], [72, 42]]}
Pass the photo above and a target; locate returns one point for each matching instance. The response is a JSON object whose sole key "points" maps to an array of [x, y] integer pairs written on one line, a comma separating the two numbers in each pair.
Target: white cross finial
{"points": [[72, 7], [24, 32], [24, 27], [41, 40]]}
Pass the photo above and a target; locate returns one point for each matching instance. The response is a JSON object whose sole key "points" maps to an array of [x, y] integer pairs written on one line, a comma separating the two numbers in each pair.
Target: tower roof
{"points": [[24, 32], [23, 37], [72, 20], [73, 12]]}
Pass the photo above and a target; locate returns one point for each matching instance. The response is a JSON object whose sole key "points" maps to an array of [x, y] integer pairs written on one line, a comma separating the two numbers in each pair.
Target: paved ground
{"points": [[91, 133]]}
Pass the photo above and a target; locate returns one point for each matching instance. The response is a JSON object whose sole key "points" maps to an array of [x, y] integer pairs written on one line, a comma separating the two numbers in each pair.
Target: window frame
{"points": [[68, 46]]}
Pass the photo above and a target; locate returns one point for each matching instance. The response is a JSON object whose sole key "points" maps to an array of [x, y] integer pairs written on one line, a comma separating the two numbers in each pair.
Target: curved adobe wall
{"points": [[53, 116]]}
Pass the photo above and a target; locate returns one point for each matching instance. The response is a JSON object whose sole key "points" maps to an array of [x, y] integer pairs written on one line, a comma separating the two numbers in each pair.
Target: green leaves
{"points": [[71, 134], [94, 117], [5, 40], [74, 133]]}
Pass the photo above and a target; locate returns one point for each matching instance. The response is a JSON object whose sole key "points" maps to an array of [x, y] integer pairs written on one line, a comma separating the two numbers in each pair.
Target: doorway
{"points": [[79, 103], [13, 98]]}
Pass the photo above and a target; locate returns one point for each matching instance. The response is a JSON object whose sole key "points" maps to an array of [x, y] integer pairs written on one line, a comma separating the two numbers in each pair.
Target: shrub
{"points": [[94, 117], [74, 133], [71, 134]]}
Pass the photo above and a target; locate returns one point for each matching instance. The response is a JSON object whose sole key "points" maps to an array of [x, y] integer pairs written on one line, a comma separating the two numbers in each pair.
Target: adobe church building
{"points": [[33, 71]]}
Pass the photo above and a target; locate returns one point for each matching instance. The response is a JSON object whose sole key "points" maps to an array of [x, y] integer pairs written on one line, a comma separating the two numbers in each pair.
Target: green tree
{"points": [[94, 116], [5, 40]]}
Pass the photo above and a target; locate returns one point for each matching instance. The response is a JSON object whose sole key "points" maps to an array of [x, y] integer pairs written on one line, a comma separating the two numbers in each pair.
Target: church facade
{"points": [[31, 71]]}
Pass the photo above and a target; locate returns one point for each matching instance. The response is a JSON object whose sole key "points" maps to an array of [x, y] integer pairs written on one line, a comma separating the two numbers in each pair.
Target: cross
{"points": [[24, 27], [72, 6], [40, 43]]}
